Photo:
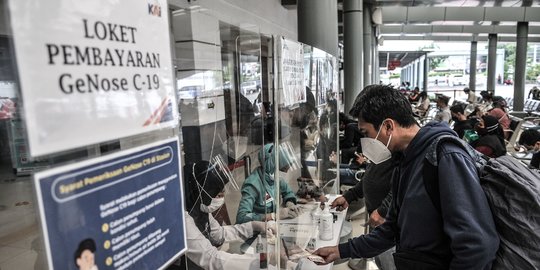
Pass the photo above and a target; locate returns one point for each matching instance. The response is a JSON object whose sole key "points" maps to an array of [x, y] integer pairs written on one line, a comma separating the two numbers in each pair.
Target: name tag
{"points": [[268, 199]]}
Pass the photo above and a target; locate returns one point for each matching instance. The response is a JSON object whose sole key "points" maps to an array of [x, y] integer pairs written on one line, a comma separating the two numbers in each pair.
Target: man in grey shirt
{"points": [[443, 115]]}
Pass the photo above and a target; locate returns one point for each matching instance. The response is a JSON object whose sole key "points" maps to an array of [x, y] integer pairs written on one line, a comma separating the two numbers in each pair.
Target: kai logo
{"points": [[154, 8]]}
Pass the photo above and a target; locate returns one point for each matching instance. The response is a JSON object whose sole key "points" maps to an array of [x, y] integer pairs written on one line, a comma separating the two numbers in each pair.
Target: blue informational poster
{"points": [[123, 211]]}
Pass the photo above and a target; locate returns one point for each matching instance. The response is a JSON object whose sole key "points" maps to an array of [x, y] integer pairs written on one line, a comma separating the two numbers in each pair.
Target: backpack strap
{"points": [[430, 174], [432, 185]]}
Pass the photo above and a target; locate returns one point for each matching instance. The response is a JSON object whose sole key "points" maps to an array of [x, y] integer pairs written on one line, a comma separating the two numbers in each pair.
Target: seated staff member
{"points": [[258, 191], [530, 139], [204, 185]]}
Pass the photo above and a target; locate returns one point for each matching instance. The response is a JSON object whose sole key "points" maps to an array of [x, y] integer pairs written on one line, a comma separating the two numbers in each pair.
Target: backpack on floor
{"points": [[513, 194]]}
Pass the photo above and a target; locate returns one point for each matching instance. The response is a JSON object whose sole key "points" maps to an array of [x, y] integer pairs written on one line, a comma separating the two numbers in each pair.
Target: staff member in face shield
{"points": [[205, 184], [258, 191]]}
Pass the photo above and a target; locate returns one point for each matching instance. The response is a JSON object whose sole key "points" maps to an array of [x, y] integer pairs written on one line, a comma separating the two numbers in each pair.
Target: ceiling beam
{"points": [[470, 29], [534, 39], [422, 14]]}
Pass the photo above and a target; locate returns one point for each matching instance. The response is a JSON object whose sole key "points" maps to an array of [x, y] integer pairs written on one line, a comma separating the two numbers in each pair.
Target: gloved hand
{"points": [[294, 207], [258, 226], [285, 213], [289, 211], [270, 229]]}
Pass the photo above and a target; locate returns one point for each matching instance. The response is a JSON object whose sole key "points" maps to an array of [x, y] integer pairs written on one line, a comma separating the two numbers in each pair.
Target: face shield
{"points": [[210, 179]]}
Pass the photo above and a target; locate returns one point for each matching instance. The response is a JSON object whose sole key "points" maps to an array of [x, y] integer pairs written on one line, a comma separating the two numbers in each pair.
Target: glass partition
{"points": [[308, 155]]}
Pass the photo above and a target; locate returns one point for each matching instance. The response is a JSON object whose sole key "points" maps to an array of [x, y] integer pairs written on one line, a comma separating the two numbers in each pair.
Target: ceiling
{"points": [[450, 20], [404, 57]]}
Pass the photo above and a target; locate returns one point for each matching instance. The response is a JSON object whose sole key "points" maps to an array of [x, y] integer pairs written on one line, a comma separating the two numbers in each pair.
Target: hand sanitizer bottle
{"points": [[262, 255], [326, 224]]}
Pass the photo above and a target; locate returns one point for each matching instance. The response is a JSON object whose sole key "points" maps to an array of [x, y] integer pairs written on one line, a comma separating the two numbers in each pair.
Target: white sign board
{"points": [[92, 71], [292, 72]]}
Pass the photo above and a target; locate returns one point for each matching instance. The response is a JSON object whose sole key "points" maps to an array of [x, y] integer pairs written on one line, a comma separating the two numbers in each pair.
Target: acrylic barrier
{"points": [[302, 235]]}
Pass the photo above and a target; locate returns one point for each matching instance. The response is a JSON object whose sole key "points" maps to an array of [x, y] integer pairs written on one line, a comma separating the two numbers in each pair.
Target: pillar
{"points": [[426, 72], [492, 62], [376, 69], [318, 24], [472, 66], [353, 49], [413, 72], [521, 63], [368, 59], [418, 73]]}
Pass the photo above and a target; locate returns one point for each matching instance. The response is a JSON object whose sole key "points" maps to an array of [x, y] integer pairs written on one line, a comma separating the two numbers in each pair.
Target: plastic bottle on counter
{"points": [[312, 243], [317, 214], [263, 264], [326, 224]]}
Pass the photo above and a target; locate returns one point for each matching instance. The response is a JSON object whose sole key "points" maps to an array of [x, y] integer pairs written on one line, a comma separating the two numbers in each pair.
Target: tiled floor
{"points": [[21, 246]]}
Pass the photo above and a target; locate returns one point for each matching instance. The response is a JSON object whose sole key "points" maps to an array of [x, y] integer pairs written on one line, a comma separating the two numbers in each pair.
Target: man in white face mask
{"points": [[376, 151], [459, 235]]}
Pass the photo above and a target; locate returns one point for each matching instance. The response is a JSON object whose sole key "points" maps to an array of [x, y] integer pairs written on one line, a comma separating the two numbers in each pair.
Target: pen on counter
{"points": [[285, 247]]}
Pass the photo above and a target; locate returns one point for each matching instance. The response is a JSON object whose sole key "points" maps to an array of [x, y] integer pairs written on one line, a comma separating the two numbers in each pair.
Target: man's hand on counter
{"points": [[329, 254], [341, 203]]}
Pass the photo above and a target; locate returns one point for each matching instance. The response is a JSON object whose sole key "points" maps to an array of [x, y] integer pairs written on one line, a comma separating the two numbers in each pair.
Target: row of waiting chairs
{"points": [[531, 106]]}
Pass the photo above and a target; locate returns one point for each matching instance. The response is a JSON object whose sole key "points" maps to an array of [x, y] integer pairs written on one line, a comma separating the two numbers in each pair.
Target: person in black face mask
{"points": [[461, 123], [491, 141]]}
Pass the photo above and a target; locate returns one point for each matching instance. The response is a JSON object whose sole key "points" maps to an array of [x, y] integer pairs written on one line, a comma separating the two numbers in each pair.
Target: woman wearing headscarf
{"points": [[205, 184], [491, 141], [258, 191]]}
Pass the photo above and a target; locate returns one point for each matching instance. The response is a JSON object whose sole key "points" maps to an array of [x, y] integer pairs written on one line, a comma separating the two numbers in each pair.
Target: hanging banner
{"points": [[92, 71], [292, 72], [123, 211]]}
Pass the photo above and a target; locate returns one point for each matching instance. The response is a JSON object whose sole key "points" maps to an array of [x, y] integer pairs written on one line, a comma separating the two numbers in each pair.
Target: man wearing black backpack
{"points": [[461, 233]]}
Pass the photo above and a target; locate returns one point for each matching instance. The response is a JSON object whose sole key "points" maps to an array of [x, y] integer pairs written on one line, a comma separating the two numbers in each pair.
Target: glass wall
{"points": [[278, 145], [312, 145]]}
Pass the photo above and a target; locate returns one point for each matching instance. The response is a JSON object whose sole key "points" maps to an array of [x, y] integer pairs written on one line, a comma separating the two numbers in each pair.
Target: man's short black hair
{"points": [[444, 99], [458, 108], [345, 119], [529, 137], [378, 102], [499, 101], [86, 244], [486, 94]]}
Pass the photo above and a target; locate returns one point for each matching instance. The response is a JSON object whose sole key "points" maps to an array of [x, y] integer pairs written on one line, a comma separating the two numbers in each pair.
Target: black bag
{"points": [[513, 193]]}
